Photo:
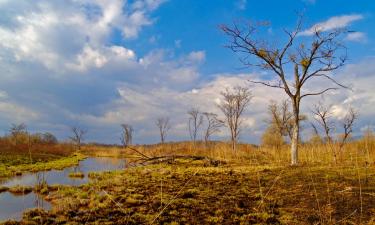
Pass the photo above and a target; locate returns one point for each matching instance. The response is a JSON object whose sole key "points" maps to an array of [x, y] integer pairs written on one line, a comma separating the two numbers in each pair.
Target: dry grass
{"points": [[256, 185], [356, 153]]}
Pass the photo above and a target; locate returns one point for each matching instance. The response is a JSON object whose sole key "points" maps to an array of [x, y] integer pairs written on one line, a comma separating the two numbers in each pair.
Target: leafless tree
{"points": [[213, 125], [311, 58], [322, 115], [347, 123], [77, 135], [163, 124], [17, 130], [233, 104], [195, 121], [126, 135]]}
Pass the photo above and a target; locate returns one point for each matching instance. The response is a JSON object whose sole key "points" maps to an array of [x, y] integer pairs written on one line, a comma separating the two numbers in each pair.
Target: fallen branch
{"points": [[172, 158]]}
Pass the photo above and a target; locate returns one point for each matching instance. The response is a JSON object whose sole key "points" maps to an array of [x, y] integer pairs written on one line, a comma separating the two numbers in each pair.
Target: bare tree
{"points": [[314, 57], [126, 135], [77, 136], [17, 130], [213, 125], [347, 124], [163, 124], [233, 105], [195, 121], [323, 116]]}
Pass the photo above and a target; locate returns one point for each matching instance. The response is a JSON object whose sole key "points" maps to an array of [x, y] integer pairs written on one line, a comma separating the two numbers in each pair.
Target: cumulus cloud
{"points": [[36, 32], [332, 23]]}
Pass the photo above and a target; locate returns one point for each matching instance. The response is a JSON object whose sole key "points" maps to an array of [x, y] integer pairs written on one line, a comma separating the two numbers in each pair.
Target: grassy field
{"points": [[249, 186], [23, 158]]}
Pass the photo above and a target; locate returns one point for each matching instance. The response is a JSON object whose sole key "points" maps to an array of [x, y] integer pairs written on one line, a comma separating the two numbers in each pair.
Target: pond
{"points": [[12, 206]]}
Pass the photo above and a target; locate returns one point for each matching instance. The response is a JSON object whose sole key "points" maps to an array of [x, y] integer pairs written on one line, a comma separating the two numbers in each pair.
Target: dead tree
{"points": [[233, 104], [323, 115], [195, 122], [312, 58], [213, 125], [16, 131], [77, 136], [347, 124], [126, 135], [163, 126]]}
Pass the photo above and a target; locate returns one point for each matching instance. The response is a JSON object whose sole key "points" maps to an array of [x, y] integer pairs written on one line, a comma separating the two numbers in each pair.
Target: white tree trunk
{"points": [[294, 144], [295, 134]]}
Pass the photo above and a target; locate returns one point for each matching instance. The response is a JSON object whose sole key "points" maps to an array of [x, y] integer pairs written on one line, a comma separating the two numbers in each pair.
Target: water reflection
{"points": [[11, 206]]}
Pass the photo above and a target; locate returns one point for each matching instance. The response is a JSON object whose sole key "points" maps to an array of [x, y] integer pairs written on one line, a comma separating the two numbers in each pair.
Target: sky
{"points": [[100, 63]]}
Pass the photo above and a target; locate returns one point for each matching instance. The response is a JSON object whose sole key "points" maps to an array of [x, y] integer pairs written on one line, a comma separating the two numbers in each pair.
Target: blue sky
{"points": [[100, 63]]}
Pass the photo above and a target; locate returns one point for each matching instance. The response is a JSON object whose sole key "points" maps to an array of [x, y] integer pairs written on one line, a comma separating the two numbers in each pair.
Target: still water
{"points": [[12, 206]]}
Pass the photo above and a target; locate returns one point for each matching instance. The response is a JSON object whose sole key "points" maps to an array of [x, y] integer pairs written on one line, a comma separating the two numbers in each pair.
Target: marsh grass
{"points": [[255, 185], [78, 175], [20, 190]]}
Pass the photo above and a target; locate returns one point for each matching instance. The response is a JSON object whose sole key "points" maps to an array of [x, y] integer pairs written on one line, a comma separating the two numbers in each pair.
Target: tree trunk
{"points": [[295, 135], [294, 145], [233, 144]]}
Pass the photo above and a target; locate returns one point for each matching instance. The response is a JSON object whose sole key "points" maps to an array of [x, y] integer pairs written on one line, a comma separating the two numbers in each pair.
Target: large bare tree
{"points": [[163, 125], [213, 124], [233, 104], [126, 135], [195, 122], [78, 134], [294, 64]]}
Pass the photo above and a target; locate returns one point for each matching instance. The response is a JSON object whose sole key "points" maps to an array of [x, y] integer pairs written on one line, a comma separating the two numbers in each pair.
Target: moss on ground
{"points": [[185, 193], [17, 165]]}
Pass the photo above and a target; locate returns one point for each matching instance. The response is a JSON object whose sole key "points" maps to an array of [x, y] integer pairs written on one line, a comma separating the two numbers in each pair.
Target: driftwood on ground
{"points": [[147, 160]]}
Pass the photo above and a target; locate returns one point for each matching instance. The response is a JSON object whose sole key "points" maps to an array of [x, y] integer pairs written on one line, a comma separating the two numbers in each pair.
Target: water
{"points": [[12, 207]]}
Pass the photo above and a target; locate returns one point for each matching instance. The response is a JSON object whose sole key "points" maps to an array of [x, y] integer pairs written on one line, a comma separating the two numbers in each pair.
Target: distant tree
{"points": [[127, 135], [49, 138], [195, 122], [213, 125], [163, 125], [315, 138], [347, 124], [323, 115], [310, 58], [18, 132], [281, 118], [77, 137], [272, 137], [233, 104]]}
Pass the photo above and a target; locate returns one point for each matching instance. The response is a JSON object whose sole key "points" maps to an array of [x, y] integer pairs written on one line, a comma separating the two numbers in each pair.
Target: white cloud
{"points": [[197, 56], [17, 113], [332, 23], [356, 36], [35, 32]]}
